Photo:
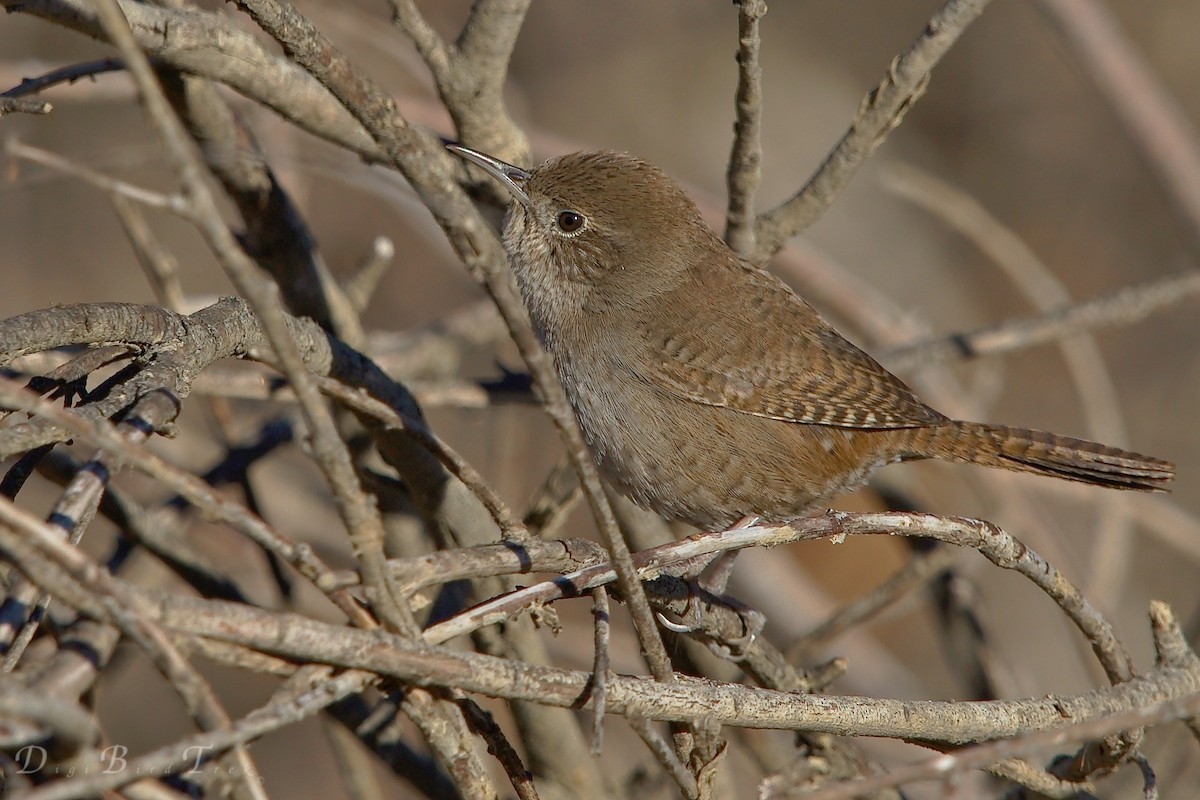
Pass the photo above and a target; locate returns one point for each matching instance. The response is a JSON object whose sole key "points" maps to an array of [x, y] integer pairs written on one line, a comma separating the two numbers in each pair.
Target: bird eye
{"points": [[570, 221]]}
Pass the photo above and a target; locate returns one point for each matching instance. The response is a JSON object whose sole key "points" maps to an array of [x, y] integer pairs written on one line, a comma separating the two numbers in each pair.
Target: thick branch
{"points": [[303, 639], [210, 46], [470, 74]]}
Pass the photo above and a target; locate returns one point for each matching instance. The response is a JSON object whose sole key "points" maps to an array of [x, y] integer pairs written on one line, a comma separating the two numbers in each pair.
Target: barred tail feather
{"points": [[1044, 454]]}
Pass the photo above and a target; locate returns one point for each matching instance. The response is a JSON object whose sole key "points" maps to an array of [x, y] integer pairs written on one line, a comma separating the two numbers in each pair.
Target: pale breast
{"points": [[711, 466]]}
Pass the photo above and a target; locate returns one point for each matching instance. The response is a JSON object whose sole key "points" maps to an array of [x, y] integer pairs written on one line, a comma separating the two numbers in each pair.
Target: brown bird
{"points": [[707, 389]]}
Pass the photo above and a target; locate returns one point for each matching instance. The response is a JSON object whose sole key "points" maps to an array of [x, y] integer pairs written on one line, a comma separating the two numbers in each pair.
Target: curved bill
{"points": [[512, 177]]}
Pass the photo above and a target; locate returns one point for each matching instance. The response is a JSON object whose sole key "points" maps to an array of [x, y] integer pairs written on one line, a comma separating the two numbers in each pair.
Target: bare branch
{"points": [[727, 704], [217, 512], [210, 46], [13, 105], [470, 74], [41, 542], [68, 74], [275, 234], [881, 111], [358, 509], [427, 168], [172, 203], [160, 265], [1122, 307], [916, 573], [951, 765], [102, 434], [32, 717], [745, 158], [510, 527]]}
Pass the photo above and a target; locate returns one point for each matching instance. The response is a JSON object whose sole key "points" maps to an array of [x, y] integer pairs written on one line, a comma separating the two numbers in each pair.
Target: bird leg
{"points": [[711, 580], [719, 570]]}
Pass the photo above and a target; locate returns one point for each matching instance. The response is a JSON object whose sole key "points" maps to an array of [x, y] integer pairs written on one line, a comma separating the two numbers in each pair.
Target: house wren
{"points": [[707, 389]]}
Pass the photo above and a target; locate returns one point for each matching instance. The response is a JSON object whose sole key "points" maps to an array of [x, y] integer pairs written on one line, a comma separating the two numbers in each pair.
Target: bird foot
{"points": [[692, 621], [736, 650]]}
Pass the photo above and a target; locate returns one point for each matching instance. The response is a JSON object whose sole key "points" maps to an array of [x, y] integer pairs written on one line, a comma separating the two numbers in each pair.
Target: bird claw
{"points": [[693, 610], [727, 652], [734, 650], [674, 627]]}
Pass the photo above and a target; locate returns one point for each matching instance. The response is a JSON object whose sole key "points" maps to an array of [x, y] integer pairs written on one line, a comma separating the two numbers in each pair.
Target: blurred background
{"points": [[1010, 119]]}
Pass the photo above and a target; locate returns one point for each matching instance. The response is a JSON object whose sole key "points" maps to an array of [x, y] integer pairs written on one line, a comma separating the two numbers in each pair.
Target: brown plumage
{"points": [[707, 389]]}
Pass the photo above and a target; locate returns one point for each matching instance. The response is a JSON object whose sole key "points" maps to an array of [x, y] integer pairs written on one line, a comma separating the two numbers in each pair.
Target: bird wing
{"points": [[762, 350]]}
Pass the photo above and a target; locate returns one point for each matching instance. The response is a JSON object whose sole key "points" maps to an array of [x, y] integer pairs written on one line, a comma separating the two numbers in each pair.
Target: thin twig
{"points": [[917, 572], [361, 285], [355, 764], [14, 105], [160, 265], [600, 644], [213, 45], [553, 501], [71, 516], [508, 558], [1122, 307], [274, 230], [68, 74], [67, 724], [35, 155], [358, 511], [745, 159], [498, 745], [509, 525], [662, 752], [103, 434], [470, 74]]}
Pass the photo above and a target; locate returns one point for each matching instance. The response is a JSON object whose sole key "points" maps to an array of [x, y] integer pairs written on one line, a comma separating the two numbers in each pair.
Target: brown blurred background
{"points": [[1010, 118]]}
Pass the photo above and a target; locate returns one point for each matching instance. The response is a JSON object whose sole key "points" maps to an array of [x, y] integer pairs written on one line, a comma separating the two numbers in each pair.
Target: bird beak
{"points": [[513, 178]]}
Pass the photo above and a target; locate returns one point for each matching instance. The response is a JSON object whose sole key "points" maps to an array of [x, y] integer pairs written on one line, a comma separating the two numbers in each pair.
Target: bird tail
{"points": [[1042, 453]]}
